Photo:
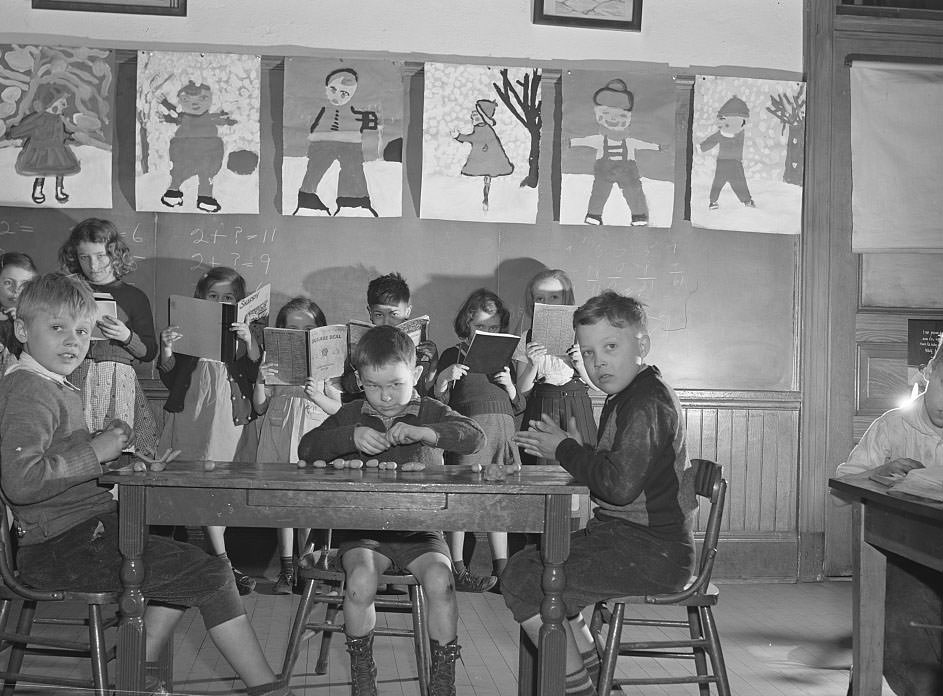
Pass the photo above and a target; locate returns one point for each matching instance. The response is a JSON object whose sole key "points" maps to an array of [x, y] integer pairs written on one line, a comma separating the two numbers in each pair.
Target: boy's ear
{"points": [[644, 345], [409, 310], [19, 330], [417, 373], [359, 381]]}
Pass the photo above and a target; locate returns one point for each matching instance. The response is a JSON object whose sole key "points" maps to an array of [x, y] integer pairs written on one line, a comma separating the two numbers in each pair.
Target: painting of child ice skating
{"points": [[198, 135], [343, 138], [617, 155], [481, 143], [56, 125], [748, 140]]}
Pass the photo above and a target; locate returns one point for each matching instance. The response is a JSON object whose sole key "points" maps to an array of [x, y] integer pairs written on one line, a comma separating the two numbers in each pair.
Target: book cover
{"points": [[355, 331], [107, 307], [553, 327], [489, 353], [415, 328], [320, 353], [254, 307], [205, 327]]}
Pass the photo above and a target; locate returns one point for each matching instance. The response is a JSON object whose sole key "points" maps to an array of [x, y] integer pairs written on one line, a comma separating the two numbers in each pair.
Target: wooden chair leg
{"points": [[96, 648], [595, 621], [526, 665], [608, 667], [330, 616], [700, 661], [6, 610], [297, 628], [18, 650], [420, 640], [716, 654]]}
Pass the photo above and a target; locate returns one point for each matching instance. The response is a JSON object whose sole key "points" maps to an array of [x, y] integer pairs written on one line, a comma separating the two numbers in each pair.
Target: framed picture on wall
{"points": [[625, 15], [153, 7]]}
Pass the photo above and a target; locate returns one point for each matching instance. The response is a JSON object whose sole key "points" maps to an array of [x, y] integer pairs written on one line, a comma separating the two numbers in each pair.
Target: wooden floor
{"points": [[778, 639]]}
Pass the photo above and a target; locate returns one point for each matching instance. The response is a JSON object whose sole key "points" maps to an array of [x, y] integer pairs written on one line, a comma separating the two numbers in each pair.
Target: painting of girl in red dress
{"points": [[487, 158], [46, 133]]}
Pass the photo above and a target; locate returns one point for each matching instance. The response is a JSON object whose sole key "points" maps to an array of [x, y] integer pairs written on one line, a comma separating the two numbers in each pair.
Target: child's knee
{"points": [[438, 581], [361, 584]]}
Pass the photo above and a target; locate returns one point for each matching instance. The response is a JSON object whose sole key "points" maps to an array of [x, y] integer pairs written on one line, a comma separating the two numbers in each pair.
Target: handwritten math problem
{"points": [[236, 247]]}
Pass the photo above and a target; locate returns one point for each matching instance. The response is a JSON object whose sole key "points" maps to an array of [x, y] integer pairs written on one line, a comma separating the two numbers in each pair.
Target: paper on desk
{"points": [[922, 483]]}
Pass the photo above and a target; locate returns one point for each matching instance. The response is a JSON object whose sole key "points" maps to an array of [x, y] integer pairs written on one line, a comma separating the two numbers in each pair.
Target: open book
{"points": [[490, 353], [553, 327], [107, 307], [254, 307], [415, 328], [320, 353], [925, 483], [206, 325]]}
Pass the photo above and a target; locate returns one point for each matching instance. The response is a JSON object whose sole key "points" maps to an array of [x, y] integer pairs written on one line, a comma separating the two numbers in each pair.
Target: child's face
{"points": [[549, 291], [389, 388], [612, 118], [389, 315], [482, 321], [223, 292], [933, 397], [612, 354], [12, 280], [58, 341], [339, 93], [58, 106], [95, 262], [196, 104], [300, 319]]}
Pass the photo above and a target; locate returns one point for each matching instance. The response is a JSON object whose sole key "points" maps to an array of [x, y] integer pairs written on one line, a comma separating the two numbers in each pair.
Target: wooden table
{"points": [[882, 522], [282, 495]]}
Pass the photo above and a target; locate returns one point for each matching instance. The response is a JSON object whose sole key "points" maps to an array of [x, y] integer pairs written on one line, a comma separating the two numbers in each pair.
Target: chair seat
{"points": [[709, 598]]}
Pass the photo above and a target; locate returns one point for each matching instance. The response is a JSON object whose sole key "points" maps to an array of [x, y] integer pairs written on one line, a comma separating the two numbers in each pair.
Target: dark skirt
{"points": [[570, 400]]}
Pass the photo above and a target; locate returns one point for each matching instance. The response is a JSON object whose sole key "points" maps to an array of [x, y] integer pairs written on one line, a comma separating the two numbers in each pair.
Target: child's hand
{"points": [[110, 442], [370, 441], [901, 465], [114, 329], [241, 329], [9, 312], [267, 371], [535, 351], [503, 379], [576, 356], [450, 374], [406, 434], [168, 336], [314, 388], [544, 436]]}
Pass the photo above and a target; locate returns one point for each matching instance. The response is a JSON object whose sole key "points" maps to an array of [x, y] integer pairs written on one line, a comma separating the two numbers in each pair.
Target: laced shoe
{"points": [[363, 670], [442, 672], [244, 583], [465, 581], [284, 583]]}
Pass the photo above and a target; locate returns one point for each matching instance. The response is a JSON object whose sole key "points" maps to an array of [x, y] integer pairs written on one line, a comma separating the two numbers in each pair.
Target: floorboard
{"points": [[778, 640]]}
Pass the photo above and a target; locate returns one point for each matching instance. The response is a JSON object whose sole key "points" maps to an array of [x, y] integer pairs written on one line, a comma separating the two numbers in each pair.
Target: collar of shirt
{"points": [[410, 409], [28, 362]]}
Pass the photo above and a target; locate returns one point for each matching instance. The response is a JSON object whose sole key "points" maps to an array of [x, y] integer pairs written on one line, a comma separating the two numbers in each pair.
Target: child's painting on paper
{"points": [[617, 158], [343, 138], [480, 143], [198, 132], [56, 126], [748, 141]]}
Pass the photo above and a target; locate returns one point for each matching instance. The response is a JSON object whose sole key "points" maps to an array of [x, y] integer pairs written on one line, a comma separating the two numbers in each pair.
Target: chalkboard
{"points": [[721, 304]]}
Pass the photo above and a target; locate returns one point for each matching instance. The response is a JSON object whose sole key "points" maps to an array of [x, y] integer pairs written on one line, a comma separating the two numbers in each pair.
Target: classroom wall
{"points": [[750, 33]]}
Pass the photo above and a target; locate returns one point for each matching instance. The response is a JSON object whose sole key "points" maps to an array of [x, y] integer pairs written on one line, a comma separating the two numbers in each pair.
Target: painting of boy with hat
{"points": [[728, 139]]}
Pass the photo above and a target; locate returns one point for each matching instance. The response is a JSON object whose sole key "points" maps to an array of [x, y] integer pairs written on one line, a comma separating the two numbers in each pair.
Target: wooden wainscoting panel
{"points": [[882, 376]]}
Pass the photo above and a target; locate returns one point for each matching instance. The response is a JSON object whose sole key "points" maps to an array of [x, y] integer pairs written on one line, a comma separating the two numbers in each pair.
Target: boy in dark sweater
{"points": [[68, 525], [640, 538], [393, 423]]}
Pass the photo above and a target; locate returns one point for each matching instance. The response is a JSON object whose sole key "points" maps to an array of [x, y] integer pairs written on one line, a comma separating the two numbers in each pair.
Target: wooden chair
{"points": [[20, 641], [315, 580], [697, 597]]}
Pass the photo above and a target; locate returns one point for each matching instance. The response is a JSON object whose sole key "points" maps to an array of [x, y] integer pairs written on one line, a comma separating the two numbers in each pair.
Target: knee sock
{"points": [[579, 684], [224, 557], [288, 566], [459, 567], [591, 663], [498, 565]]}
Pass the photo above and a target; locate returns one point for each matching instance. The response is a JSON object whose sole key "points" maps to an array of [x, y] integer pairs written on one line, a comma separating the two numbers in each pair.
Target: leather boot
{"points": [[442, 679], [363, 670], [311, 201]]}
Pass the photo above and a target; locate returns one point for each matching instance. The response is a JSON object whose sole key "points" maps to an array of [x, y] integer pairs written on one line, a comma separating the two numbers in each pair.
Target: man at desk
{"points": [[902, 439]]}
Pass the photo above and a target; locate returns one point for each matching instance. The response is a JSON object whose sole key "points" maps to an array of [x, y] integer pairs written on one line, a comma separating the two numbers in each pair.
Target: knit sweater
{"points": [[49, 470], [636, 471], [335, 436]]}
